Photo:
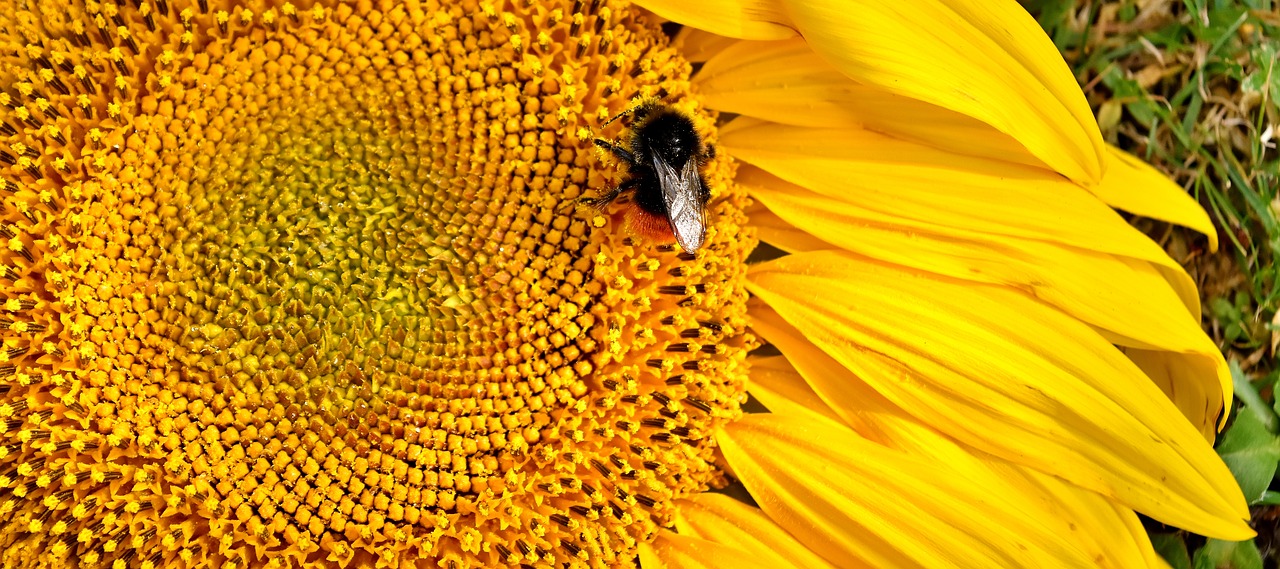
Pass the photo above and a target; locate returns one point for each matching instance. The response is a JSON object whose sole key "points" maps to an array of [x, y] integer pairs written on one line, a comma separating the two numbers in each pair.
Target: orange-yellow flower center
{"points": [[303, 286]]}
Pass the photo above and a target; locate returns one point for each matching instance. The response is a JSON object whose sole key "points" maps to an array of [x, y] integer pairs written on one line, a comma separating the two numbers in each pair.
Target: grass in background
{"points": [[1191, 86]]}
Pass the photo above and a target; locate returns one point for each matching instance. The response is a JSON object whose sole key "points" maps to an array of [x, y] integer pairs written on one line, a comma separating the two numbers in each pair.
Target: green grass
{"points": [[1191, 86]]}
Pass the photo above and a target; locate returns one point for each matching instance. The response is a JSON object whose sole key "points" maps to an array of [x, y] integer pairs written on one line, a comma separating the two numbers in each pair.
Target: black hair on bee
{"points": [[664, 155]]}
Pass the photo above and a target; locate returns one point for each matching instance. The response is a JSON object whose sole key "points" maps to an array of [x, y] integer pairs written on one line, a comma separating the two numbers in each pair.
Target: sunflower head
{"points": [[309, 285], [296, 285]]}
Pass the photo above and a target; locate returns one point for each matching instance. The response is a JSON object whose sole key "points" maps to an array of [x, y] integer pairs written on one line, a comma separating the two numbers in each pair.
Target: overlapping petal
{"points": [[932, 139], [1181, 378], [1138, 305], [787, 82], [983, 58], [1044, 390], [726, 521], [1104, 530], [671, 550], [697, 46], [957, 195], [1127, 298], [740, 19], [864, 503], [776, 232], [1134, 186]]}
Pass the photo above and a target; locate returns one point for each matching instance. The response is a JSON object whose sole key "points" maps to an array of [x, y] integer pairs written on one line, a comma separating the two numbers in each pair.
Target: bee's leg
{"points": [[618, 151], [615, 118], [607, 198], [710, 152], [638, 111], [599, 202]]}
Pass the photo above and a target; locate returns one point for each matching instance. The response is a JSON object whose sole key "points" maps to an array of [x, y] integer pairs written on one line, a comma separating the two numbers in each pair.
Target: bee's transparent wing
{"points": [[680, 192]]}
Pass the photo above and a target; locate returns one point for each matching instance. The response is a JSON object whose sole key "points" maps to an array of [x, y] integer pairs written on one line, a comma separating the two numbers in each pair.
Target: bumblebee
{"points": [[664, 155]]}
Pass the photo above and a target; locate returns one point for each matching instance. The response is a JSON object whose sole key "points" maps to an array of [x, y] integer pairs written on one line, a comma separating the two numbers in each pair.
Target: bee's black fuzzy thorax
{"points": [[668, 134]]}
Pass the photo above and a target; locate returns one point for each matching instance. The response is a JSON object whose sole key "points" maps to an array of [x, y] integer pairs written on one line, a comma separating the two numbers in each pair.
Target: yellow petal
{"points": [[726, 521], [698, 45], [856, 502], [1134, 186], [1180, 377], [1106, 531], [1057, 213], [778, 386], [786, 82], [1008, 375], [958, 195], [1112, 533], [1128, 298], [741, 19], [1140, 304], [675, 551], [862, 232], [987, 59], [773, 230], [831, 390], [1181, 282]]}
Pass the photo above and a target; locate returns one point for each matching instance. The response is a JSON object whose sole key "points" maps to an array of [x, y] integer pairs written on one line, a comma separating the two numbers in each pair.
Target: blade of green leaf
{"points": [[1173, 549], [1252, 400], [1270, 498], [1250, 447], [1251, 452], [1228, 555]]}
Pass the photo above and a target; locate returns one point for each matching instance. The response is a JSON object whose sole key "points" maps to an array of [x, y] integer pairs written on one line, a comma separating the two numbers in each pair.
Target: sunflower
{"points": [[303, 285]]}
